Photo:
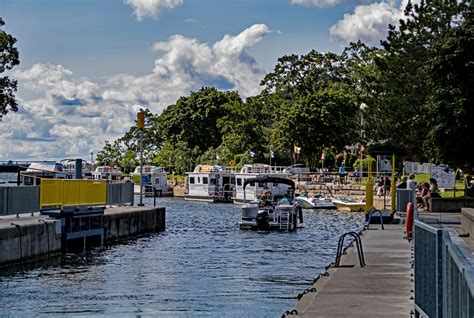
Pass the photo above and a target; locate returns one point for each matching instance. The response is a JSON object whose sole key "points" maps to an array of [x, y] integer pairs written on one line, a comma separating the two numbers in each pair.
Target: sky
{"points": [[87, 66]]}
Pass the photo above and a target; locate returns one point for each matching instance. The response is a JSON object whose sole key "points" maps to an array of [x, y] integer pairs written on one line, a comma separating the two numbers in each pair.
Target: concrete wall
{"points": [[124, 223], [29, 241], [467, 222], [451, 205]]}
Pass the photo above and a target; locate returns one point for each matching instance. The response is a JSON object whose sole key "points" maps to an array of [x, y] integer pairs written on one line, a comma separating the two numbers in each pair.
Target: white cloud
{"points": [[317, 3], [151, 8], [369, 23], [69, 116]]}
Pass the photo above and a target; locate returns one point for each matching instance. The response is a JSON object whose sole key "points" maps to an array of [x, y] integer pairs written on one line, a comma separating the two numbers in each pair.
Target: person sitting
{"points": [[403, 183], [433, 192], [422, 191]]}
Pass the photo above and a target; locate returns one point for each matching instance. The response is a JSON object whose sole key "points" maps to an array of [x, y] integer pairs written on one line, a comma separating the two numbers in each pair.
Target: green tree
{"points": [[193, 119], [450, 105], [9, 57]]}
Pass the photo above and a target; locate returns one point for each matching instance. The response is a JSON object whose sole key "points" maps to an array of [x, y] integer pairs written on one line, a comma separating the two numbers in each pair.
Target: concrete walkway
{"points": [[383, 288]]}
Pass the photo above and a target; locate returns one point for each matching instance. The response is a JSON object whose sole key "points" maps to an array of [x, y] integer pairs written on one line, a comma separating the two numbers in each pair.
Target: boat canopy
{"points": [[267, 179]]}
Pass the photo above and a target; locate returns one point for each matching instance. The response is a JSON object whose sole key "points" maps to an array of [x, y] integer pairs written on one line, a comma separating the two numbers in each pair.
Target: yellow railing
{"points": [[59, 193]]}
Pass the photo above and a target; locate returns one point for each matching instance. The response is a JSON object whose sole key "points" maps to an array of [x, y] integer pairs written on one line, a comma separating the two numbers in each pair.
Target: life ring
{"points": [[410, 220]]}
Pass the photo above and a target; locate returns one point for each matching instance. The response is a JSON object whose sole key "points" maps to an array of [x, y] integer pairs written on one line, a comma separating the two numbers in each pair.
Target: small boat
{"points": [[348, 204], [107, 173], [263, 214], [315, 202]]}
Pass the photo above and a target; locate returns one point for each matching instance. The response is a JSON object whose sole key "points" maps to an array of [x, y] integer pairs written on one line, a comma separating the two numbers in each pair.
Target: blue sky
{"points": [[88, 65]]}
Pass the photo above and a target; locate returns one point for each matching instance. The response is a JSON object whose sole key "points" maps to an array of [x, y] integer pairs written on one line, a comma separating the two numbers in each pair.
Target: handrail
{"points": [[373, 211], [360, 251]]}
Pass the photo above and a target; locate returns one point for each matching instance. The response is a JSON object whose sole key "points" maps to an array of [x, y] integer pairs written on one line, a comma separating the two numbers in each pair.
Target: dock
{"points": [[34, 236], [382, 288]]}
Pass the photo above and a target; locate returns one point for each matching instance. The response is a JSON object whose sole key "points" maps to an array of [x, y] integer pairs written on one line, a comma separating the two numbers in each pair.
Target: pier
{"points": [[381, 288]]}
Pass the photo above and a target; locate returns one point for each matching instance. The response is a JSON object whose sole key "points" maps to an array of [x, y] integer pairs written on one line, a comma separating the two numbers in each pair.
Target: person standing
{"points": [[411, 182]]}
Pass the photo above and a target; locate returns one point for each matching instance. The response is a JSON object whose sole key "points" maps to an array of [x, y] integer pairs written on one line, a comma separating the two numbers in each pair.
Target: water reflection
{"points": [[202, 265]]}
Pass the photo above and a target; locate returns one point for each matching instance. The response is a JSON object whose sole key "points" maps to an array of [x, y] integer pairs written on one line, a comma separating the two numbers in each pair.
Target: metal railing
{"points": [[16, 200], [444, 275]]}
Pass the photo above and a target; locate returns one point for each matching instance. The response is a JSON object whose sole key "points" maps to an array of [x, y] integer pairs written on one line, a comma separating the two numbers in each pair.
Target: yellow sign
{"points": [[141, 120], [232, 163]]}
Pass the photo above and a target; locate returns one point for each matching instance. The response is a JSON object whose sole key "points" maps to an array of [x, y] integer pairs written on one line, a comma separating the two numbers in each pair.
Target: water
{"points": [[202, 265], [7, 178]]}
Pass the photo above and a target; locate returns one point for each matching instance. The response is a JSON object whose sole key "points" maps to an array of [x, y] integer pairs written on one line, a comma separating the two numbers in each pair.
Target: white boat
{"points": [[45, 169], [348, 204], [107, 173], [154, 179], [210, 183], [315, 202], [277, 190], [69, 167], [264, 214]]}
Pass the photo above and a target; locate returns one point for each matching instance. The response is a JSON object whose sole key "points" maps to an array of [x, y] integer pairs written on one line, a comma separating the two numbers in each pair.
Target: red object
{"points": [[410, 220]]}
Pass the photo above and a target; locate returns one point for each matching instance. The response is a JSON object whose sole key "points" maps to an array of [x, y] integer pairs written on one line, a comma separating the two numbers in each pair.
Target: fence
{"points": [[119, 193], [444, 276], [15, 200], [54, 193], [416, 167]]}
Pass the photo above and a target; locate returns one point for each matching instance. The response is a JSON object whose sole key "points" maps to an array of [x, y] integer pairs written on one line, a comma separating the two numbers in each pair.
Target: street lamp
{"points": [[362, 108]]}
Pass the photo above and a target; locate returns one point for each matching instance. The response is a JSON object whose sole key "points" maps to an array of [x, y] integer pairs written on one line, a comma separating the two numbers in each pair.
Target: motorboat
{"points": [[348, 204], [264, 214], [44, 169], [315, 202]]}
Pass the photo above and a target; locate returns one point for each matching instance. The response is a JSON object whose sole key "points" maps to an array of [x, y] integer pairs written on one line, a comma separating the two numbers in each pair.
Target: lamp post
{"points": [[92, 158], [141, 126], [362, 108]]}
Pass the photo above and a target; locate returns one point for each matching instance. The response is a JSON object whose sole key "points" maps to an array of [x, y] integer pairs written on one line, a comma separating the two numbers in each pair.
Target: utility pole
{"points": [[141, 126]]}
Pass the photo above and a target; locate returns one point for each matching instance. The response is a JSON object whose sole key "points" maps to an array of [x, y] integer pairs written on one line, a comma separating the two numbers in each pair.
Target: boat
{"points": [[315, 202], [249, 171], [155, 181], [69, 167], [210, 183], [45, 169], [348, 204], [107, 173], [266, 214]]}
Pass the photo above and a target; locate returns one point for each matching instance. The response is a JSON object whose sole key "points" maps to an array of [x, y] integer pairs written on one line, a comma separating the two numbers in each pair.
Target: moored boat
{"points": [[210, 183], [155, 180], [348, 204], [315, 202], [264, 214]]}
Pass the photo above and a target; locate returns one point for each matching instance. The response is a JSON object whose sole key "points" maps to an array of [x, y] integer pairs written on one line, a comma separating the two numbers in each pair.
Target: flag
{"points": [[362, 148], [297, 149], [272, 154], [322, 155], [252, 154], [217, 157]]}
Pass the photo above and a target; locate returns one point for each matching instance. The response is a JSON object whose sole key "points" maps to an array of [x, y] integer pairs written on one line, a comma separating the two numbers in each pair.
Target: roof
{"points": [[267, 179]]}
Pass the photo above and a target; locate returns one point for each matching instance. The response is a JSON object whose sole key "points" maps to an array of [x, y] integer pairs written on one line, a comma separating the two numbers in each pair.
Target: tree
{"points": [[450, 105], [406, 79], [9, 57], [193, 119]]}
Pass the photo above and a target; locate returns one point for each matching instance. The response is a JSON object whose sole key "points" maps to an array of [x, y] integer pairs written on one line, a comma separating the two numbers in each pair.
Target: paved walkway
{"points": [[383, 288]]}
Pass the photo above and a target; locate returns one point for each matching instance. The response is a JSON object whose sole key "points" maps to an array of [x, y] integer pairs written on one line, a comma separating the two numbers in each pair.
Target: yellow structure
{"points": [[393, 188], [369, 188], [60, 193]]}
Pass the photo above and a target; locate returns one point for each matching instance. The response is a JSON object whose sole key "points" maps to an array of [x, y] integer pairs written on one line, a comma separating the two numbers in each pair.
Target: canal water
{"points": [[201, 266]]}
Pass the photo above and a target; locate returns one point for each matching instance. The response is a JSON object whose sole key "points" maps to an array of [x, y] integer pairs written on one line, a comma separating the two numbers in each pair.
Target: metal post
{"points": [[141, 168]]}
